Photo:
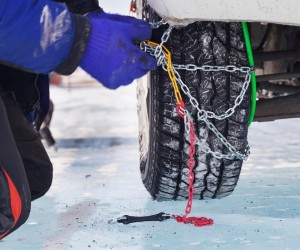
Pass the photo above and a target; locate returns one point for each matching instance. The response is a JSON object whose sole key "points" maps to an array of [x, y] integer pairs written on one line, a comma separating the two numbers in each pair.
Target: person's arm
{"points": [[41, 36]]}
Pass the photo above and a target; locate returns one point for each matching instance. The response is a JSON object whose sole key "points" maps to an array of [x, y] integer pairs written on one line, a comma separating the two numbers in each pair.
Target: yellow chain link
{"points": [[170, 70]]}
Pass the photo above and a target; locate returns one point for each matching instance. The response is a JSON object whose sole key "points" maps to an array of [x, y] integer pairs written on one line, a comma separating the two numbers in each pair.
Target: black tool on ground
{"points": [[126, 219]]}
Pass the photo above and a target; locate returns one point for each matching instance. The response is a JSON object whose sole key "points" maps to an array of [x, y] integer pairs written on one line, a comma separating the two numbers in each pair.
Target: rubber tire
{"points": [[163, 164]]}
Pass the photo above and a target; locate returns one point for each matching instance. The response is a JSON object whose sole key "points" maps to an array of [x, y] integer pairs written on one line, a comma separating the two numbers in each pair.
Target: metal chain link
{"points": [[158, 24], [203, 115]]}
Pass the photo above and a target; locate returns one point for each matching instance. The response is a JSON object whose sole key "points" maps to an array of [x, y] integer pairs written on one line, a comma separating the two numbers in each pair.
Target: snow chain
{"points": [[163, 57]]}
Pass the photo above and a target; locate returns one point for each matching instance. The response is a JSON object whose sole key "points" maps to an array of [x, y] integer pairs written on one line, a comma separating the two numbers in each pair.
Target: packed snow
{"points": [[97, 180]]}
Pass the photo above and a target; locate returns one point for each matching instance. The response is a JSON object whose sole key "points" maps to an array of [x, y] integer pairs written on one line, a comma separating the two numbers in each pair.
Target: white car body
{"points": [[183, 12]]}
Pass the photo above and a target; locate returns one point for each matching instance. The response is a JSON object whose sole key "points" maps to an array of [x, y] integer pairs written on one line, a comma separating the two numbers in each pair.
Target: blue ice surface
{"points": [[97, 179]]}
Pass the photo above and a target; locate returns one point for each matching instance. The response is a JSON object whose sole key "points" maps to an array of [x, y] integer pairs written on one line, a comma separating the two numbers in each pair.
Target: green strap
{"points": [[253, 78]]}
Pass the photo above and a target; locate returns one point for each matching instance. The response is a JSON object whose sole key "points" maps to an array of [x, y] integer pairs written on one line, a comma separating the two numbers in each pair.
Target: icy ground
{"points": [[97, 179]]}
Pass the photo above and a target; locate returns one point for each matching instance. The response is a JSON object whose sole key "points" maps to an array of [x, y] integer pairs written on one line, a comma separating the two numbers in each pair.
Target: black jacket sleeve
{"points": [[82, 6], [79, 7]]}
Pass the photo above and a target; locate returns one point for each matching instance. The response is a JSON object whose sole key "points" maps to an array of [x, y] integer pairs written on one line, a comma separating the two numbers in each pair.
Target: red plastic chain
{"points": [[133, 6], [197, 221]]}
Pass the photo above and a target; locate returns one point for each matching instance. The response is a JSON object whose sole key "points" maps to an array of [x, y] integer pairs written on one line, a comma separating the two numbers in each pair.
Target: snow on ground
{"points": [[96, 180]]}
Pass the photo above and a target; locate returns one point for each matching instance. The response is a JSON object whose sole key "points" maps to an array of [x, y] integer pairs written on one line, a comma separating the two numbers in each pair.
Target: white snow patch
{"points": [[109, 169]]}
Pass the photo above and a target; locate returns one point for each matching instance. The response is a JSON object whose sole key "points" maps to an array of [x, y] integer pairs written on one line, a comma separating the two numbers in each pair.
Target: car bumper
{"points": [[182, 12]]}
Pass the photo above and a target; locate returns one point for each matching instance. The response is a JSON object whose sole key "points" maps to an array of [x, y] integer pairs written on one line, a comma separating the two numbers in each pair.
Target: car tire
{"points": [[163, 140]]}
